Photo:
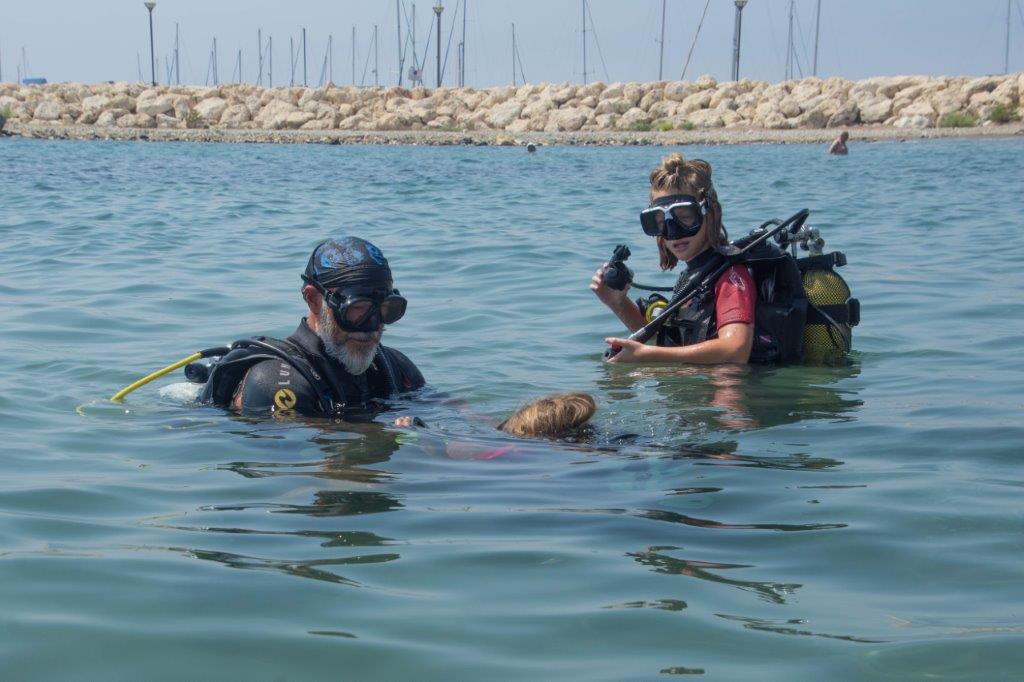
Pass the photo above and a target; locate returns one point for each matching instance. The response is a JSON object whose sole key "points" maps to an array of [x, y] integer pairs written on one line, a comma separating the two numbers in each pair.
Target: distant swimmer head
{"points": [[531, 148], [351, 296], [552, 416]]}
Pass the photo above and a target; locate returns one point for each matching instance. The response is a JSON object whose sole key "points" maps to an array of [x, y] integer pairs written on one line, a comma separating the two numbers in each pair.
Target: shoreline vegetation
{"points": [[659, 113]]}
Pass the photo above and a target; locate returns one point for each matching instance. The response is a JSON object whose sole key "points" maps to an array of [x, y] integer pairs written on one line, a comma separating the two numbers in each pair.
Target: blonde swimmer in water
{"points": [[553, 416]]}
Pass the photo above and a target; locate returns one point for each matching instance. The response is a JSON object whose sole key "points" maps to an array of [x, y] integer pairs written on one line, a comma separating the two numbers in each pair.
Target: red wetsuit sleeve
{"points": [[735, 297]]}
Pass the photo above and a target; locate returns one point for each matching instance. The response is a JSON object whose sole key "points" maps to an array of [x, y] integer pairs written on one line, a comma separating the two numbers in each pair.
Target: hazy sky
{"points": [[72, 40]]}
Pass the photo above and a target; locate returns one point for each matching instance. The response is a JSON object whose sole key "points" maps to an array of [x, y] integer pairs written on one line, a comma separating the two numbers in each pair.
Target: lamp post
{"points": [[438, 8], [152, 55], [740, 4]]}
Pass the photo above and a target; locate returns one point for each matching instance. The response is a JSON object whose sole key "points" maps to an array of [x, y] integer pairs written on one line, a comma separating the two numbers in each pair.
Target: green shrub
{"points": [[1003, 114], [6, 111], [957, 120], [640, 127], [665, 126], [191, 119], [686, 125]]}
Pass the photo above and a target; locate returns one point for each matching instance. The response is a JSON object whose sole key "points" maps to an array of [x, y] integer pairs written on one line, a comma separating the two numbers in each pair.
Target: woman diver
{"points": [[686, 218]]}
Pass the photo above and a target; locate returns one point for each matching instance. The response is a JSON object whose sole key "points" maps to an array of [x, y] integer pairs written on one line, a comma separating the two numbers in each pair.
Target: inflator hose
{"points": [[207, 353]]}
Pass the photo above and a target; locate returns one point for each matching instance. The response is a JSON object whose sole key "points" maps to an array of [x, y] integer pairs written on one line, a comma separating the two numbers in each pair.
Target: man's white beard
{"points": [[355, 362]]}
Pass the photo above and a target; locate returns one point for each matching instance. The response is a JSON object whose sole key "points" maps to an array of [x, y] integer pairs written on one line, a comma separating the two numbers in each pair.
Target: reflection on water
{"points": [[313, 568], [786, 628], [730, 398], [657, 560]]}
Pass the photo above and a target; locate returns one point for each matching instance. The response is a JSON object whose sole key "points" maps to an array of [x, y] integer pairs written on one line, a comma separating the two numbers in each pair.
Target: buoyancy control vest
{"points": [[803, 307], [334, 388]]}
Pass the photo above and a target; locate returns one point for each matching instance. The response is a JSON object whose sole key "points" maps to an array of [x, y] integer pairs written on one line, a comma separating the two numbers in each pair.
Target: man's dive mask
{"points": [[676, 216], [360, 309]]}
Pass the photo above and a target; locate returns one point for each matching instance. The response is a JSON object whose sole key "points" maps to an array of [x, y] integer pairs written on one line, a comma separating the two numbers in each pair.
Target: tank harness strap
{"points": [[389, 371], [845, 313], [818, 314], [293, 355], [827, 261]]}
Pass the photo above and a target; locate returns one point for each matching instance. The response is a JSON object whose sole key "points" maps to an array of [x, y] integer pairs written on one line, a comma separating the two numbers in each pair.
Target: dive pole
{"points": [[207, 353], [644, 334]]}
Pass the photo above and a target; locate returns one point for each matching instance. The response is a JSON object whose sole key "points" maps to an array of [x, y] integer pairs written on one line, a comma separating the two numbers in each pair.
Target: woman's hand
{"points": [[409, 422], [629, 351], [610, 297]]}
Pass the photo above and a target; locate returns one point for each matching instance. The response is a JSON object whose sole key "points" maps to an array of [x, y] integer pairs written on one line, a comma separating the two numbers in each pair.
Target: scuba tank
{"points": [[832, 312]]}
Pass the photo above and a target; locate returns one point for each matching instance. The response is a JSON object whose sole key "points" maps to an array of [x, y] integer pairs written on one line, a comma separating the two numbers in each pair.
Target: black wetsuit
{"points": [[275, 385]]}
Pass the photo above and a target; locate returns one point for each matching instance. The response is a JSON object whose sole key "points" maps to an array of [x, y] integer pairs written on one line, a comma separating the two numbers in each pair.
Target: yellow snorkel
{"points": [[209, 352]]}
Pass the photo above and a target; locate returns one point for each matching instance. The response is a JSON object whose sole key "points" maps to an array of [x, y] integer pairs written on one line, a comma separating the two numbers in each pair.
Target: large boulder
{"points": [[538, 107], [678, 91], [663, 109], [613, 91], [790, 107], [634, 118], [48, 110], [775, 121], [696, 101], [706, 118], [273, 114], [920, 114], [109, 117], [136, 121], [632, 92], [155, 105], [567, 120], [983, 84], [94, 105], [875, 110], [211, 109], [948, 101], [562, 95], [617, 105], [501, 115], [706, 82], [847, 115], [235, 115], [297, 119]]}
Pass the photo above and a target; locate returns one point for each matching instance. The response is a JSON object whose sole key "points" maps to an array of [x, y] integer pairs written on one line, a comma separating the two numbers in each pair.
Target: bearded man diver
{"points": [[334, 361]]}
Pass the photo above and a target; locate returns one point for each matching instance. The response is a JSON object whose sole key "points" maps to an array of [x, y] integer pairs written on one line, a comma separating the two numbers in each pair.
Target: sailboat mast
{"points": [[583, 10], [177, 63], [1006, 53], [513, 53], [817, 25], [401, 61], [462, 49], [789, 45], [661, 58]]}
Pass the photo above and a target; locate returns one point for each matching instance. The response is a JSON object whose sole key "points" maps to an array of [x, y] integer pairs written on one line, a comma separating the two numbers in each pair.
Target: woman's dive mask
{"points": [[676, 216]]}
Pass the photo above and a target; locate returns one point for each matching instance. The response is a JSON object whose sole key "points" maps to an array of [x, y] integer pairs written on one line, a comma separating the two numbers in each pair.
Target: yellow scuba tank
{"points": [[833, 312]]}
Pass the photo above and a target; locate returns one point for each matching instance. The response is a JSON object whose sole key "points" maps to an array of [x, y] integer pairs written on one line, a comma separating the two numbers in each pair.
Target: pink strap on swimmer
{"points": [[497, 452]]}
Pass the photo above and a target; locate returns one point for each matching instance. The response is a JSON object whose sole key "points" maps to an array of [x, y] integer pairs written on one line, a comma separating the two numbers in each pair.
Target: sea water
{"points": [[802, 522]]}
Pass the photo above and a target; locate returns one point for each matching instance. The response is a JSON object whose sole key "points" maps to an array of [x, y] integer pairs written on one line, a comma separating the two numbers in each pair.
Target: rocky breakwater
{"points": [[811, 103]]}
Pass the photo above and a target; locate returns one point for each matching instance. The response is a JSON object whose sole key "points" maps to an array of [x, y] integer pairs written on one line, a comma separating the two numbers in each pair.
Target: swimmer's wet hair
{"points": [[552, 416]]}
